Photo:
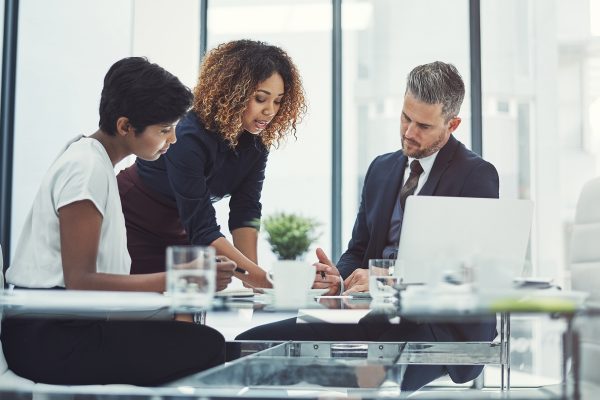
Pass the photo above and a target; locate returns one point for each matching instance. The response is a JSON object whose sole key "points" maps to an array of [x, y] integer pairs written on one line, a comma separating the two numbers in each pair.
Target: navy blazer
{"points": [[456, 172], [201, 168]]}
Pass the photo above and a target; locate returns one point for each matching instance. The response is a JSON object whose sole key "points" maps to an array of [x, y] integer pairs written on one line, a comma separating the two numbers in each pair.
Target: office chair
{"points": [[585, 276], [8, 379]]}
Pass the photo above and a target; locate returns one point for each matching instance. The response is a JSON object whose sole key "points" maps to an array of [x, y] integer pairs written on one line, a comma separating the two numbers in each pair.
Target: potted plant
{"points": [[290, 235]]}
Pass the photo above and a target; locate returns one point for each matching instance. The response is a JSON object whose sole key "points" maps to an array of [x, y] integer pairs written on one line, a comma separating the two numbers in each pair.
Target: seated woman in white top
{"points": [[75, 238]]}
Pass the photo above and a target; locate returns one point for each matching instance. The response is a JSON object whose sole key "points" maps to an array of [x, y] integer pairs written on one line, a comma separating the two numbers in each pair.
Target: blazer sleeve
{"points": [[186, 164], [357, 246], [245, 207], [482, 181]]}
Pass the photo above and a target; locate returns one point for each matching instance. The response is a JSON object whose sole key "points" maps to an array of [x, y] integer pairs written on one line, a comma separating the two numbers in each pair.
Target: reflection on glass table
{"points": [[317, 369], [183, 392]]}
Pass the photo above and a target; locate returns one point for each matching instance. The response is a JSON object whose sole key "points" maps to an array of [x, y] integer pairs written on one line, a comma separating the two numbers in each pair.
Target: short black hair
{"points": [[143, 92]]}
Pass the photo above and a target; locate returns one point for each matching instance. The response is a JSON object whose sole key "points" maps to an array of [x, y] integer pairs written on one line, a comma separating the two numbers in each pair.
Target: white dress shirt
{"points": [[426, 164]]}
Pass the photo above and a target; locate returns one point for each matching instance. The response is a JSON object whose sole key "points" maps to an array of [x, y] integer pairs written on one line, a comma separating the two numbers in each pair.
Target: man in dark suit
{"points": [[432, 101], [431, 163]]}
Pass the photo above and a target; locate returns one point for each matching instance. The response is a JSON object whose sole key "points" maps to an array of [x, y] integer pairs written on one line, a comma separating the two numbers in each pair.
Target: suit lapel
{"points": [[388, 201], [442, 161]]}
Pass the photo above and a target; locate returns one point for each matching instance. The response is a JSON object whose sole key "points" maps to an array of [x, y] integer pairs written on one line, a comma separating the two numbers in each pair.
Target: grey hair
{"points": [[437, 83]]}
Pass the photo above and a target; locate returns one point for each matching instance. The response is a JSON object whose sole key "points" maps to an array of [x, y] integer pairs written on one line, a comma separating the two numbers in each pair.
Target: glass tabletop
{"points": [[420, 302]]}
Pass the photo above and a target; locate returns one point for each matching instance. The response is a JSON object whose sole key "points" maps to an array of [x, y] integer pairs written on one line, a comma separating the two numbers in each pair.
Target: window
{"points": [[383, 40], [542, 59], [298, 176]]}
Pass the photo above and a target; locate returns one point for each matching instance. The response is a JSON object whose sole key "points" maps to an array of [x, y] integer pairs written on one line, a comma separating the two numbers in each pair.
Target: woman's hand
{"points": [[225, 269], [252, 275], [258, 281]]}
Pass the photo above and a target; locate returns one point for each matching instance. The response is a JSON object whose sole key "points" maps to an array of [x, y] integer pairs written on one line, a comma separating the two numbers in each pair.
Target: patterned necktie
{"points": [[411, 183]]}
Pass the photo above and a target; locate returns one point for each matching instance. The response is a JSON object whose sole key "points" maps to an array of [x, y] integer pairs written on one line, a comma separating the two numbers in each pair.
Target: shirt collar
{"points": [[426, 162]]}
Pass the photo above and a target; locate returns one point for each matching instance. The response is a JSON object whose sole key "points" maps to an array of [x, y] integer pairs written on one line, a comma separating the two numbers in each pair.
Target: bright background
{"points": [[540, 80]]}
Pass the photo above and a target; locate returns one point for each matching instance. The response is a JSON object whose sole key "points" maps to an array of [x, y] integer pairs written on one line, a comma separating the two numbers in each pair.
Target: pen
{"points": [[237, 269], [241, 270], [323, 275]]}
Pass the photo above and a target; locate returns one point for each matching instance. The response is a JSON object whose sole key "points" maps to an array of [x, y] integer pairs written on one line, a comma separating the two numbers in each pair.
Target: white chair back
{"points": [[585, 273]]}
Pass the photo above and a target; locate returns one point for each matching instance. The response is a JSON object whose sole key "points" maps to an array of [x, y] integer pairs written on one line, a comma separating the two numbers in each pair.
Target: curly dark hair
{"points": [[230, 74]]}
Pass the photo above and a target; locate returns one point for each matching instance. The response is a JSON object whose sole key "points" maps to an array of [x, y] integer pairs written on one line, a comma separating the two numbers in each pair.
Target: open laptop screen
{"points": [[444, 233]]}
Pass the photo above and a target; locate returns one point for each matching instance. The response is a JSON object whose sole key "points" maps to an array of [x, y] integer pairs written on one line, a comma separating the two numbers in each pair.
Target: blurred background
{"points": [[537, 110]]}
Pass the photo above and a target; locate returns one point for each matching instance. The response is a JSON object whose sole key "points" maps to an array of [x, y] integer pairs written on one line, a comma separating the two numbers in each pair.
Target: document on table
{"points": [[235, 292], [330, 316]]}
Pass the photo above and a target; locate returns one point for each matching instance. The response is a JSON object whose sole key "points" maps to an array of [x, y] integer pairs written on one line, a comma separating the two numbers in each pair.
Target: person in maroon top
{"points": [[248, 98]]}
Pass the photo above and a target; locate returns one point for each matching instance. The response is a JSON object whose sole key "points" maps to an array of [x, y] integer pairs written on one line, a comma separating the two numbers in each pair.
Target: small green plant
{"points": [[290, 235]]}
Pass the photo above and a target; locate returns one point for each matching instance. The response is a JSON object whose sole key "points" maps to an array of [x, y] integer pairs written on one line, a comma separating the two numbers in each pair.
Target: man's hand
{"points": [[358, 281], [225, 269], [327, 276]]}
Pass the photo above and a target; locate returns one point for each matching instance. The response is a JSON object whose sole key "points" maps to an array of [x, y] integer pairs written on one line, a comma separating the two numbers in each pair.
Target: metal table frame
{"points": [[445, 353]]}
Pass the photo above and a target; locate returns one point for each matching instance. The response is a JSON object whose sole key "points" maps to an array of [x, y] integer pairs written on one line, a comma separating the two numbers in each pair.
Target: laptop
{"points": [[453, 239]]}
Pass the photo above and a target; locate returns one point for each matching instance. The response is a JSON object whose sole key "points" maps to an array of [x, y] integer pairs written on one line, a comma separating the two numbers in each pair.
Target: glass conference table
{"points": [[314, 369]]}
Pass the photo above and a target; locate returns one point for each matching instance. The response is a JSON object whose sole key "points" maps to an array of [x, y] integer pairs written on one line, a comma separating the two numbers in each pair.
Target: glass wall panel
{"points": [[298, 176], [540, 74], [65, 49], [382, 41], [539, 71]]}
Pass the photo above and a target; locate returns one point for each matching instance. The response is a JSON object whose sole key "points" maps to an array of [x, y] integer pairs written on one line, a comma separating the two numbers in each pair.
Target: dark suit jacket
{"points": [[456, 172]]}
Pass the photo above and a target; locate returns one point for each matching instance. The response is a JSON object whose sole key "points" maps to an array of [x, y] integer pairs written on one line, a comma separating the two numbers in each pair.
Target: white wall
{"points": [[168, 33], [65, 47]]}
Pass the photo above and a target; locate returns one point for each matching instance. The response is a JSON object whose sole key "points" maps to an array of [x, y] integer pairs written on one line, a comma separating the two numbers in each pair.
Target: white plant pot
{"points": [[292, 280]]}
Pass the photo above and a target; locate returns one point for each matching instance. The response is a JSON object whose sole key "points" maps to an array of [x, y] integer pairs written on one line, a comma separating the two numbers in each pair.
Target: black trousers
{"points": [[83, 352], [370, 328]]}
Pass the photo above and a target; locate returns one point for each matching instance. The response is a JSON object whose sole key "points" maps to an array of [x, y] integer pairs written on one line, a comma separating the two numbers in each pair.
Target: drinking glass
{"points": [[383, 281], [191, 276]]}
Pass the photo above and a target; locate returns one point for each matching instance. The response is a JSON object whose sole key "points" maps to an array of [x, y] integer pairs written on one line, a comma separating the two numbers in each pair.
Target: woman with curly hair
{"points": [[249, 97]]}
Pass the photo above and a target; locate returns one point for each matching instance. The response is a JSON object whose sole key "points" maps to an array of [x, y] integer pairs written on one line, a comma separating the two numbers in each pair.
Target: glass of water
{"points": [[191, 276], [383, 281]]}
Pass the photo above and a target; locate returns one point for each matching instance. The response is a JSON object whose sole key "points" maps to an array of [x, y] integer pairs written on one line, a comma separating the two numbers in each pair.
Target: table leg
{"points": [[502, 351], [571, 358], [507, 351]]}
